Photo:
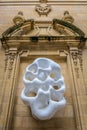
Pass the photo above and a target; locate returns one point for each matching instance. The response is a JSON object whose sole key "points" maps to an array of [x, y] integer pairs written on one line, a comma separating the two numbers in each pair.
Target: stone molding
{"points": [[66, 32], [52, 3]]}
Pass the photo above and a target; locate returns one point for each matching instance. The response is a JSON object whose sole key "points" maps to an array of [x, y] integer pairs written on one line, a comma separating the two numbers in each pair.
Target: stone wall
{"points": [[21, 116], [8, 11]]}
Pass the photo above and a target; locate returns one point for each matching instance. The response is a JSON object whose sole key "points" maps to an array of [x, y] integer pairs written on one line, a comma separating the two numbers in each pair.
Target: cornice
{"points": [[9, 39], [30, 3], [43, 42]]}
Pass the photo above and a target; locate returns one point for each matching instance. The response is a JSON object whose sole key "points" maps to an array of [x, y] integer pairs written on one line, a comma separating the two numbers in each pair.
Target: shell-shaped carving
{"points": [[44, 88]]}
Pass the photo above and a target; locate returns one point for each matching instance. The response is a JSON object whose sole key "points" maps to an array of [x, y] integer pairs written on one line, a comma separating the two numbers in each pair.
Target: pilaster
{"points": [[12, 62], [79, 87]]}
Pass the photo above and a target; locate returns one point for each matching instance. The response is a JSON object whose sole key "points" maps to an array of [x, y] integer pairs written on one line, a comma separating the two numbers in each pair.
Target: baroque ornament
{"points": [[43, 8], [67, 17], [19, 18], [74, 54], [44, 88]]}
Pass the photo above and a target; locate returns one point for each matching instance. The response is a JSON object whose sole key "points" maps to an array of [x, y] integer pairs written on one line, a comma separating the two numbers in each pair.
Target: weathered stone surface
{"points": [[14, 115]]}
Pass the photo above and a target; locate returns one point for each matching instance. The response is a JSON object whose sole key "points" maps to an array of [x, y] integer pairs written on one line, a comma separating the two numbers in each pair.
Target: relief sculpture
{"points": [[44, 88]]}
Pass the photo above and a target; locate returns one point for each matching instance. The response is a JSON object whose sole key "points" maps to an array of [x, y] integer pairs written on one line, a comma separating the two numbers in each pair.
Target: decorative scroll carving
{"points": [[43, 8], [76, 31], [61, 29]]}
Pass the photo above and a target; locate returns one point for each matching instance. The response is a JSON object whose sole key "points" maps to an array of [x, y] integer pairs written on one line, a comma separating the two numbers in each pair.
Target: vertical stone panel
{"points": [[79, 86], [9, 86]]}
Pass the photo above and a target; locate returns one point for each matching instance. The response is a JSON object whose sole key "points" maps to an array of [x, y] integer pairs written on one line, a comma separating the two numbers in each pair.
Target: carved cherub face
{"points": [[44, 88]]}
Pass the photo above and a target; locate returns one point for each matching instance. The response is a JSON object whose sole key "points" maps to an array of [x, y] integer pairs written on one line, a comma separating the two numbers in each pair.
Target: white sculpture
{"points": [[44, 88]]}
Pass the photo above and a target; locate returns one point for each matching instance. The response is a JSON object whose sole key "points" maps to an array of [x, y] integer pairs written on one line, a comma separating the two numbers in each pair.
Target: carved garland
{"points": [[11, 63], [74, 55], [10, 57], [77, 60]]}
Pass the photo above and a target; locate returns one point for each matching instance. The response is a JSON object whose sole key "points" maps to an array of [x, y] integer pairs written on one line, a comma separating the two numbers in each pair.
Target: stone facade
{"points": [[54, 34]]}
